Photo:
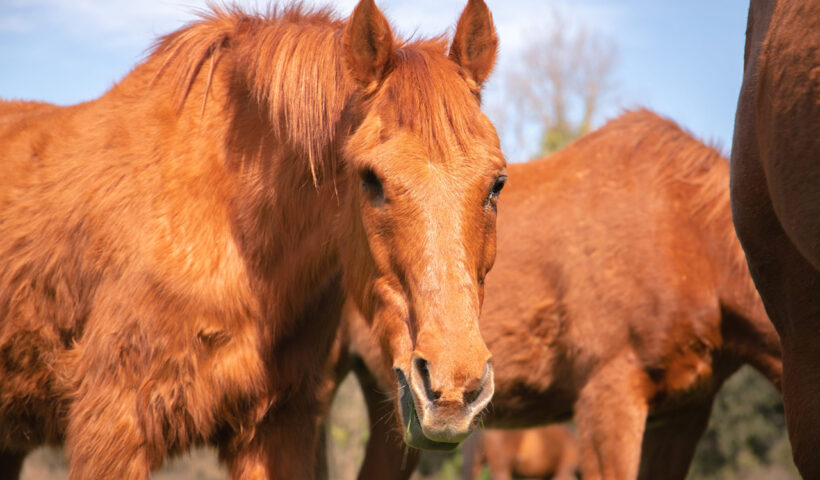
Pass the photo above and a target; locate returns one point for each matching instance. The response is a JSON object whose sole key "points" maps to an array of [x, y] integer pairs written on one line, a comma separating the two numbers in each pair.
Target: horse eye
{"points": [[498, 185], [371, 185]]}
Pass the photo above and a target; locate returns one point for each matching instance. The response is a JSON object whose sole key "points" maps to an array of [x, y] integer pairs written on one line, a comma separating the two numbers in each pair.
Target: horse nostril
{"points": [[472, 395], [424, 371]]}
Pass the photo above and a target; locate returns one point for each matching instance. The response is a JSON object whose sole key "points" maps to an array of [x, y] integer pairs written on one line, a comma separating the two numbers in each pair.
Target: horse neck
{"points": [[300, 109], [285, 223], [278, 145]]}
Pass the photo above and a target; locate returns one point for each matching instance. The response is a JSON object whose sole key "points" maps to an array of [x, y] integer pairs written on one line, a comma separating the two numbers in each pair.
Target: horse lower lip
{"points": [[413, 433]]}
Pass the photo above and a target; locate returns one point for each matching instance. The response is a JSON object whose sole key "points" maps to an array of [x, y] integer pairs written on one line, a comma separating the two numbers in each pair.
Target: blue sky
{"points": [[681, 59]]}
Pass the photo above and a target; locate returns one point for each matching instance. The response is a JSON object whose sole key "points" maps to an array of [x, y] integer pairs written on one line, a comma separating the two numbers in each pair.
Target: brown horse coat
{"points": [[172, 254], [549, 451], [776, 198], [620, 296]]}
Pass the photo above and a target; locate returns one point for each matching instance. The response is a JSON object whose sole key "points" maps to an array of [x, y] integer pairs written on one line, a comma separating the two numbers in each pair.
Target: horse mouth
{"points": [[413, 433]]}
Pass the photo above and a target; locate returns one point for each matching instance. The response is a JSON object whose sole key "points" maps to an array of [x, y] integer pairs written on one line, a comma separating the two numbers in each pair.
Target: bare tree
{"points": [[554, 89]]}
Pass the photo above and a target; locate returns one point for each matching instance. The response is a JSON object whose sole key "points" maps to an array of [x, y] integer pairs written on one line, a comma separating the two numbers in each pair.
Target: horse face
{"points": [[425, 171]]}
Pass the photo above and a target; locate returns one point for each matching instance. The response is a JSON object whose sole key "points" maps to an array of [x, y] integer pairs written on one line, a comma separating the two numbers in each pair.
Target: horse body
{"points": [[641, 306], [620, 297], [101, 253], [173, 251], [776, 200]]}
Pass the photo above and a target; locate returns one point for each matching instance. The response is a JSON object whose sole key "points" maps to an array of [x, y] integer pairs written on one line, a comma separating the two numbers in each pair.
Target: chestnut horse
{"points": [[549, 451], [175, 253], [620, 296], [776, 198]]}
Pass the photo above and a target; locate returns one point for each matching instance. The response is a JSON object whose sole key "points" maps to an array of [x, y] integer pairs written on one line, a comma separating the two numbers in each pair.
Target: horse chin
{"points": [[413, 433]]}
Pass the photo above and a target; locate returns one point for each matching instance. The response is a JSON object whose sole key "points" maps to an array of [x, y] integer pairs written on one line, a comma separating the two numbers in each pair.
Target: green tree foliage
{"points": [[747, 436], [556, 89]]}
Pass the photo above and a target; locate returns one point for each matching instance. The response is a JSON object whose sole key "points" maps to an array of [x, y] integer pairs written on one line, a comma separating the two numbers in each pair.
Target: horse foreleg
{"points": [[611, 416], [568, 464], [103, 439], [500, 448], [668, 447], [386, 455], [284, 445], [322, 467], [11, 463], [472, 454]]}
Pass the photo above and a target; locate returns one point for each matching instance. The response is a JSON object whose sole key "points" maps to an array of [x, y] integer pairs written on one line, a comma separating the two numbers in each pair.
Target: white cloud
{"points": [[129, 23]]}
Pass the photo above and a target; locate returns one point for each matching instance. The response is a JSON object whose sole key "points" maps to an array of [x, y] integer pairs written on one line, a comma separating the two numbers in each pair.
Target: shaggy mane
{"points": [[291, 58], [427, 100]]}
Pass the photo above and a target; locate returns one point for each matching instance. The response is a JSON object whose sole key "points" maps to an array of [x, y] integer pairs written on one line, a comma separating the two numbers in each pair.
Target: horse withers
{"points": [[174, 254]]}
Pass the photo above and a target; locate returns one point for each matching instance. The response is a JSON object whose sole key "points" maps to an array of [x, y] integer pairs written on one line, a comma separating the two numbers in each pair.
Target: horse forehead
{"points": [[427, 172], [426, 94]]}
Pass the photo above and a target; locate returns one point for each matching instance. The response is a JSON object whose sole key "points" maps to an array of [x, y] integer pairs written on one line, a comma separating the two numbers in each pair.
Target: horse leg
{"points": [[386, 455], [338, 368], [568, 463], [565, 470], [322, 467], [284, 445], [801, 398], [11, 463], [472, 455], [611, 416], [668, 448], [501, 448], [106, 429], [306, 367], [103, 439]]}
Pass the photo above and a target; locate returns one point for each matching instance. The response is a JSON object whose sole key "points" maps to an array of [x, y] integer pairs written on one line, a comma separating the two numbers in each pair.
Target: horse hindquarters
{"points": [[788, 286]]}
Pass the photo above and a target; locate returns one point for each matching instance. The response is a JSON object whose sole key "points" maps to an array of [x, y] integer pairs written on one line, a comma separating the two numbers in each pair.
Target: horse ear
{"points": [[475, 44], [368, 44]]}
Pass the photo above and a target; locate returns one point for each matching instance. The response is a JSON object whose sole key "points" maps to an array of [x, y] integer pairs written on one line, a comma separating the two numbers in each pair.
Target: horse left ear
{"points": [[475, 44], [368, 45]]}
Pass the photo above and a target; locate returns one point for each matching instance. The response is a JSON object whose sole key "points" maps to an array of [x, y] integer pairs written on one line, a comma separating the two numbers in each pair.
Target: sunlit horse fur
{"points": [[174, 254], [620, 297], [776, 198]]}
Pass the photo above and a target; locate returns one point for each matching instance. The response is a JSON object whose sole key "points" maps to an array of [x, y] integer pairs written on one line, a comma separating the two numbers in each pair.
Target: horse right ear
{"points": [[368, 45], [475, 43]]}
